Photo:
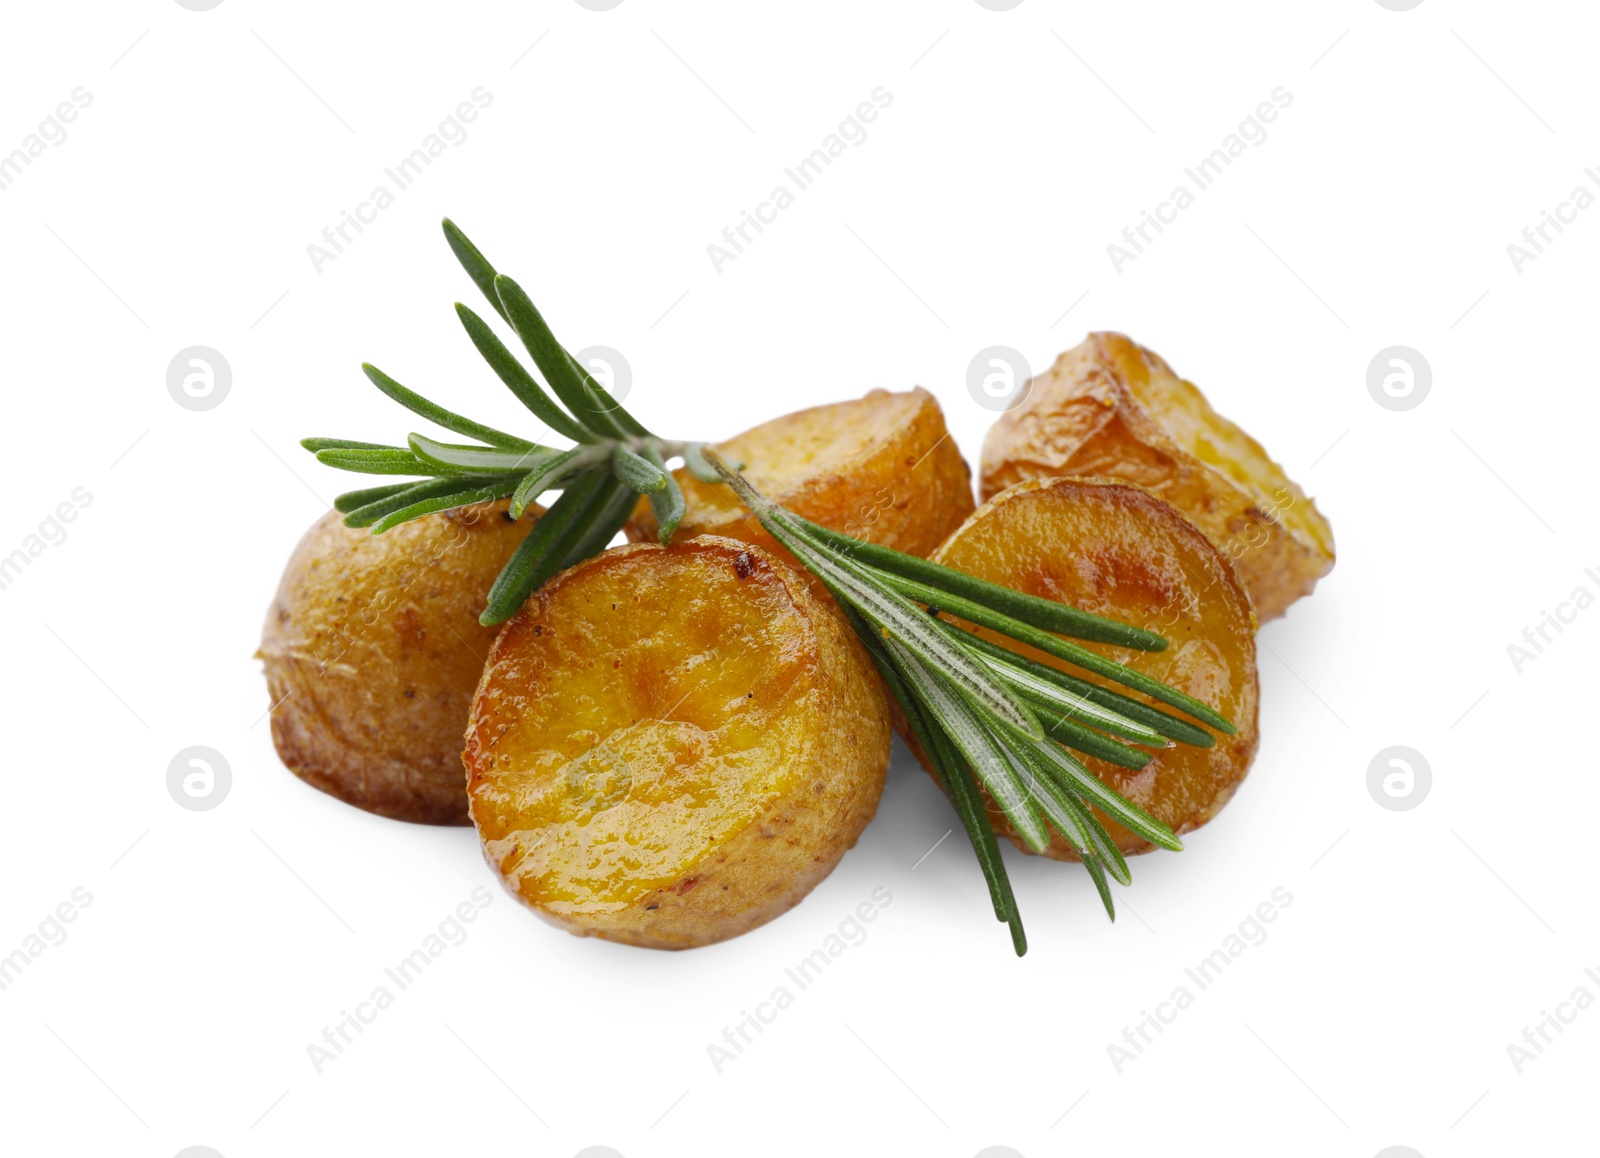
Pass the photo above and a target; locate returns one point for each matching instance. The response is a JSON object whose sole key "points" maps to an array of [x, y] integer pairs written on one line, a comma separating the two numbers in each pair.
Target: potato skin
{"points": [[1112, 409], [882, 468], [672, 745], [1118, 550], [372, 650]]}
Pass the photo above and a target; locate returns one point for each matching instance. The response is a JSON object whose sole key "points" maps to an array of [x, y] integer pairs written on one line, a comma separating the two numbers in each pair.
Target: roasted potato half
{"points": [[882, 468], [373, 649], [673, 745], [1112, 409], [1118, 550]]}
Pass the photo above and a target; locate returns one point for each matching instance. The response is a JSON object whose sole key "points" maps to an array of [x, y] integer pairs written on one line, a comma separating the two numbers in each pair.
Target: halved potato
{"points": [[1112, 409], [673, 745], [372, 650], [881, 468], [1120, 551]]}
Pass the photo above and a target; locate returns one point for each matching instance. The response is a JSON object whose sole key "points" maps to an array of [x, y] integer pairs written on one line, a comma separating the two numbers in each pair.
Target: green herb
{"points": [[989, 721]]}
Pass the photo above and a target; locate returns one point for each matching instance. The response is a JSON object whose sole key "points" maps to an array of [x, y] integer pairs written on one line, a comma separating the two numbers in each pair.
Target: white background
{"points": [[1019, 144]]}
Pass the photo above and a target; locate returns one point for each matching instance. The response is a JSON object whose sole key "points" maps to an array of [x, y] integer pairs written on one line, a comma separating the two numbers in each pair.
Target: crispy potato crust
{"points": [[882, 468], [1118, 550], [1112, 409], [673, 745], [373, 648]]}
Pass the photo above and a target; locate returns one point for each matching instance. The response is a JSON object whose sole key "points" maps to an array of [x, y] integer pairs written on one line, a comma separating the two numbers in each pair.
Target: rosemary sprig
{"points": [[615, 457], [988, 720]]}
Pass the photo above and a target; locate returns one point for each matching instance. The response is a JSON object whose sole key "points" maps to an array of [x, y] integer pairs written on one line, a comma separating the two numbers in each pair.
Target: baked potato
{"points": [[881, 468], [372, 650], [1112, 409], [1118, 550], [673, 745]]}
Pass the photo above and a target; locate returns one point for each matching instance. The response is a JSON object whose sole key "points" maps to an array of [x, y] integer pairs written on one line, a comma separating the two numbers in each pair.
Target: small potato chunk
{"points": [[372, 649], [881, 468], [673, 745], [1117, 550], [1112, 409]]}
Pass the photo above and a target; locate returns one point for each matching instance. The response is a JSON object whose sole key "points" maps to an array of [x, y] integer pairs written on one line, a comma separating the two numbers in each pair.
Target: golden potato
{"points": [[373, 648], [1118, 550], [881, 468], [1112, 409], [673, 745]]}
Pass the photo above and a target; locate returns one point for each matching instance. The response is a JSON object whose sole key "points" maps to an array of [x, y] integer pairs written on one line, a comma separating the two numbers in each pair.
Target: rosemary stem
{"points": [[918, 577], [1075, 654], [1123, 706]]}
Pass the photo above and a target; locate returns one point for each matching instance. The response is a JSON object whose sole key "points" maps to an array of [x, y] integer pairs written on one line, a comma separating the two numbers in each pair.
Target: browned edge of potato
{"points": [[1119, 550], [372, 650], [671, 746], [1110, 408], [881, 468]]}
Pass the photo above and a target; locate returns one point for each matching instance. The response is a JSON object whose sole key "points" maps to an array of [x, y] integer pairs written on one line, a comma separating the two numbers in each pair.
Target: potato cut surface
{"points": [[672, 745], [1118, 550], [882, 468], [1112, 409]]}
